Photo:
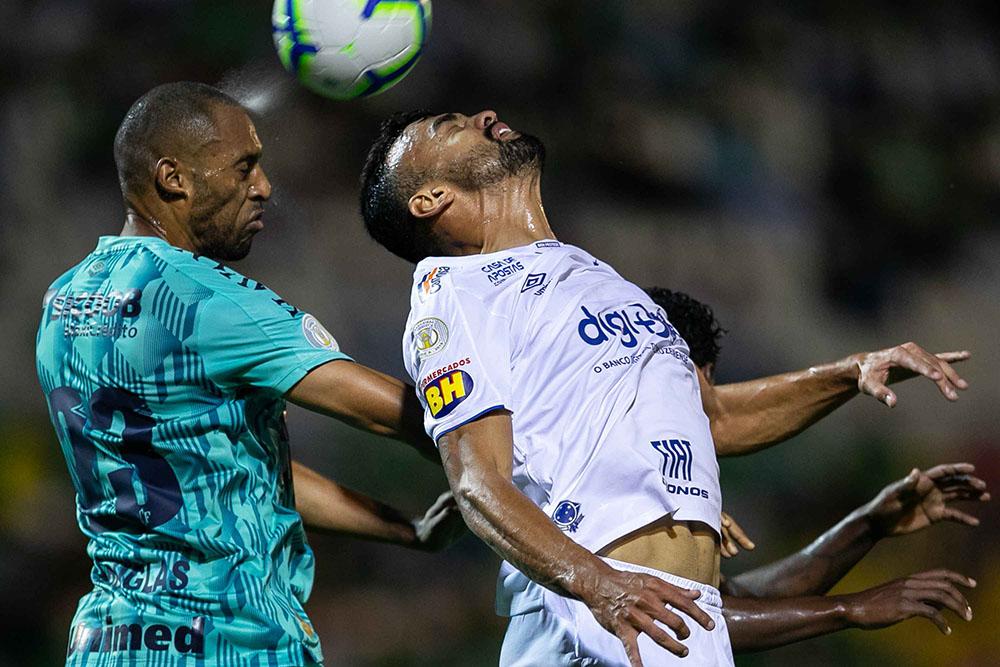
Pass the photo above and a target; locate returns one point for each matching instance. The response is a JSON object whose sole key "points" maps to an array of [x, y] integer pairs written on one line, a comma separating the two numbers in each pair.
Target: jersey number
{"points": [[159, 488]]}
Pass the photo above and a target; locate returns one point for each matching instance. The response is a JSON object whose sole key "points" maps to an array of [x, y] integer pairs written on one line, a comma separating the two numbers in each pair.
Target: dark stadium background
{"points": [[827, 178]]}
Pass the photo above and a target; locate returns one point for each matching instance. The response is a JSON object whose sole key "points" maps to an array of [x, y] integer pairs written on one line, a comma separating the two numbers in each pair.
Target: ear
{"points": [[170, 182], [431, 201]]}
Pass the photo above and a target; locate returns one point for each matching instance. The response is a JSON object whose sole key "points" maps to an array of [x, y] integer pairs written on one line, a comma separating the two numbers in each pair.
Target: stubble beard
{"points": [[490, 164]]}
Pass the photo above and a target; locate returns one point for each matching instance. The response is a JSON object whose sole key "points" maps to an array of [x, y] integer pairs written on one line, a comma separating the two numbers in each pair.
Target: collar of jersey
{"points": [[461, 260], [105, 242]]}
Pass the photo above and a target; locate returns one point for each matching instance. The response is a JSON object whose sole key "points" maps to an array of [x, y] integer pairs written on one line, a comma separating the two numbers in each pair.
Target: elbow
{"points": [[722, 437], [469, 494]]}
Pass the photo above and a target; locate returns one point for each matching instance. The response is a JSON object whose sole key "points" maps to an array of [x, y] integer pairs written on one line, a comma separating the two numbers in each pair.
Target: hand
{"points": [[877, 370], [733, 537], [441, 525], [925, 594], [627, 604], [923, 498]]}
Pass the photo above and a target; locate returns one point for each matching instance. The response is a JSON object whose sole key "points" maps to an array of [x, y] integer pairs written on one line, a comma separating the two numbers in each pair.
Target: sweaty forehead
{"points": [[232, 131], [411, 145]]}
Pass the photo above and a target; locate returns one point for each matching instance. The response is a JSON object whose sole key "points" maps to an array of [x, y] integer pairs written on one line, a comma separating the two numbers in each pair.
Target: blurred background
{"points": [[828, 178]]}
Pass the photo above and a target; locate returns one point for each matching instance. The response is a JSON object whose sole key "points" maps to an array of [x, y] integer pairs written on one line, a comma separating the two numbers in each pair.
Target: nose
{"points": [[484, 119], [260, 189]]}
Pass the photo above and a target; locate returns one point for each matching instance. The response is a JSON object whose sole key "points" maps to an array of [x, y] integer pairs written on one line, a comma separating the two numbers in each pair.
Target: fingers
{"points": [[916, 359], [949, 470], [946, 575], [661, 637], [959, 494], [945, 596], [630, 639], [683, 600], [934, 615], [953, 357], [958, 516], [881, 392], [739, 536]]}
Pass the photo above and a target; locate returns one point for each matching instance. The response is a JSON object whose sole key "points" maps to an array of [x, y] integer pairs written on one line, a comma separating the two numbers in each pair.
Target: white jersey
{"points": [[609, 430]]}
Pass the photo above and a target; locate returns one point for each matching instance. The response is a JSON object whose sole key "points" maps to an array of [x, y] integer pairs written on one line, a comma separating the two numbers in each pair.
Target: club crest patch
{"points": [[567, 515], [430, 336], [317, 335]]}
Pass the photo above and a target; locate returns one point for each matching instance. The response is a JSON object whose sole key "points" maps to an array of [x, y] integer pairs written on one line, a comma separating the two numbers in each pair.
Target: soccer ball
{"points": [[350, 48]]}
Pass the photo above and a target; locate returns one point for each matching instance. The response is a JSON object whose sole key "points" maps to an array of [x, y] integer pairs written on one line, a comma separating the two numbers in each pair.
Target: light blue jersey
{"points": [[165, 374]]}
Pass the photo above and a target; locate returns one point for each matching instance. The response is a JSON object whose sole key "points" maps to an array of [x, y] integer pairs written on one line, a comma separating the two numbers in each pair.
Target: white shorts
{"points": [[564, 632]]}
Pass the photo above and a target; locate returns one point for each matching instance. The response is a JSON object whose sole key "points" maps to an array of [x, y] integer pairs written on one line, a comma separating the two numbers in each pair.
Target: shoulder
{"points": [[222, 283]]}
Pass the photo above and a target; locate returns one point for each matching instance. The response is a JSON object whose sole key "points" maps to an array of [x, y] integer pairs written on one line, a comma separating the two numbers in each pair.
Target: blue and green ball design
{"points": [[343, 49]]}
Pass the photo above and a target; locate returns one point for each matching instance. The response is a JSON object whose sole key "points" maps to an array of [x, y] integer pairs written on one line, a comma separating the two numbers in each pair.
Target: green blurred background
{"points": [[828, 178]]}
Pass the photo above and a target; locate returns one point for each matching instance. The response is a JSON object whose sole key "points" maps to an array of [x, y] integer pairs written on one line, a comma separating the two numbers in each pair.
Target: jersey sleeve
{"points": [[457, 352], [255, 338]]}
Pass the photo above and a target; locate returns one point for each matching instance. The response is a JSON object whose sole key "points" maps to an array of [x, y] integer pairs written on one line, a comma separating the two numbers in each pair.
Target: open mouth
{"points": [[500, 131]]}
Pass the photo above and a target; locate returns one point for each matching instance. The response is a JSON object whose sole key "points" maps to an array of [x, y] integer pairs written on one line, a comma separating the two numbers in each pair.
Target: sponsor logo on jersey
{"points": [[625, 324], [445, 393], [547, 244], [93, 304], [567, 515], [677, 461], [677, 458], [498, 272], [430, 336], [162, 576], [317, 335], [431, 282], [532, 281], [444, 369], [114, 638]]}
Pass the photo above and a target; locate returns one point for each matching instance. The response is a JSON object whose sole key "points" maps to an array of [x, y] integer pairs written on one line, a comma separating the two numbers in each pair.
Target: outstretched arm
{"points": [[327, 507], [366, 399], [477, 458], [913, 503], [757, 624], [750, 416]]}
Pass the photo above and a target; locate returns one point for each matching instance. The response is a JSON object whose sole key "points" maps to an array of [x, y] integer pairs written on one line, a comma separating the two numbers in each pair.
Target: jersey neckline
{"points": [[462, 260], [109, 240]]}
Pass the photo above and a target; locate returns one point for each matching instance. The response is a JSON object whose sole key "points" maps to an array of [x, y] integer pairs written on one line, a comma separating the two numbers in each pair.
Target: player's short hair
{"points": [[386, 192], [168, 119], [694, 321]]}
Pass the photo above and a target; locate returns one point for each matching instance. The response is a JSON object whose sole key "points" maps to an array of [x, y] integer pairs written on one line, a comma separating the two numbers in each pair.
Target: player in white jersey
{"points": [[544, 377]]}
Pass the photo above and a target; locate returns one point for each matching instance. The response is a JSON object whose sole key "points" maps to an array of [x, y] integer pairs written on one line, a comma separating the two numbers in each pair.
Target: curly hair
{"points": [[695, 322]]}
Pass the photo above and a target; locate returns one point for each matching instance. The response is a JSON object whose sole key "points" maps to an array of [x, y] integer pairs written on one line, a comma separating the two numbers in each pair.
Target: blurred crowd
{"points": [[827, 176]]}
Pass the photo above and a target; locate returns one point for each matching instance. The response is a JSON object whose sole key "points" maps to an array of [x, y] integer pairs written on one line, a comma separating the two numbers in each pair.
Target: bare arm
{"points": [[477, 459], [913, 503], [757, 624], [812, 571], [750, 416], [327, 507], [366, 399]]}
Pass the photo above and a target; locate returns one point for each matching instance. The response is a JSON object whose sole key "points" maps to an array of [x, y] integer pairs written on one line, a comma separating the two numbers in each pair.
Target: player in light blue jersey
{"points": [[166, 375]]}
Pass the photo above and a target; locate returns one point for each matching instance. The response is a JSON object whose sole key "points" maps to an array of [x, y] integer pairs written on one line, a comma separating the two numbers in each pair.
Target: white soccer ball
{"points": [[350, 48]]}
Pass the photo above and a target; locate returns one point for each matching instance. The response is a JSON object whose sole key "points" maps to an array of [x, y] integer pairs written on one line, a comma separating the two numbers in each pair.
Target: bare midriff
{"points": [[688, 549]]}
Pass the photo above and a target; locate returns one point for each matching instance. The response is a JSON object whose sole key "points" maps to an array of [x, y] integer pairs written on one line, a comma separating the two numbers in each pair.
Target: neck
{"points": [[141, 220], [511, 215]]}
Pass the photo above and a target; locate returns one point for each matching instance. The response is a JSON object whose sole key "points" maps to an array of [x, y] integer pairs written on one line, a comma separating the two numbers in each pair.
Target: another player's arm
{"points": [[477, 458], [913, 503], [750, 416], [757, 624], [366, 399], [327, 507]]}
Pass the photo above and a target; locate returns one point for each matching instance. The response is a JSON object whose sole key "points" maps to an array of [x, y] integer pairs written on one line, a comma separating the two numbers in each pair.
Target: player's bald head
{"points": [[175, 120]]}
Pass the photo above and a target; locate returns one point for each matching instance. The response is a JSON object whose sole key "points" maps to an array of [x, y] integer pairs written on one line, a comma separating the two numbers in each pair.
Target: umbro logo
{"points": [[532, 281]]}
